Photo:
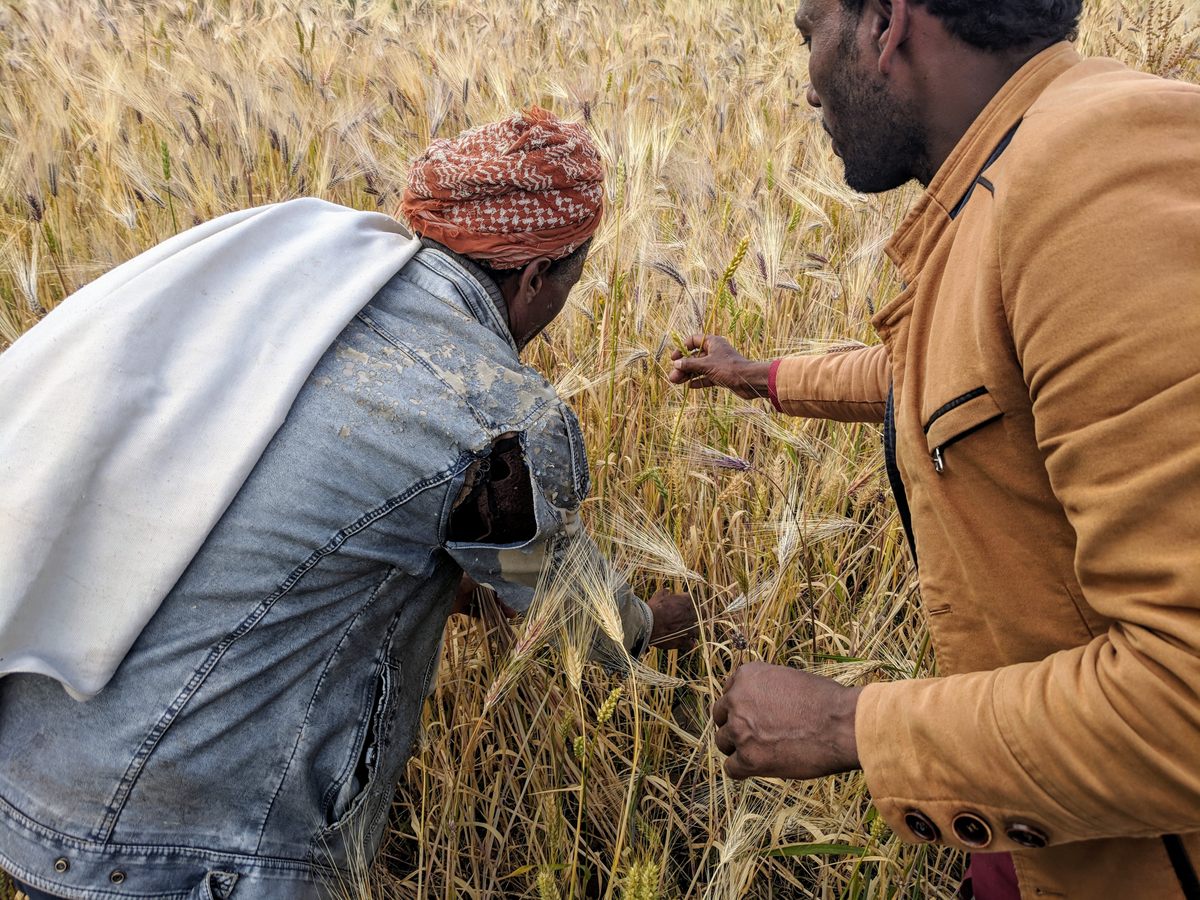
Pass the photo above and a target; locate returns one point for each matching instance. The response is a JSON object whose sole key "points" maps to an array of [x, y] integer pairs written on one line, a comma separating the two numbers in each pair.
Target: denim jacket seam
{"points": [[59, 839], [581, 475], [124, 788], [362, 725], [464, 463], [523, 424]]}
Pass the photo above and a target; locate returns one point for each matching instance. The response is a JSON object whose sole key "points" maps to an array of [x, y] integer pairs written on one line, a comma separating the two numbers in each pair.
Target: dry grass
{"points": [[122, 122]]}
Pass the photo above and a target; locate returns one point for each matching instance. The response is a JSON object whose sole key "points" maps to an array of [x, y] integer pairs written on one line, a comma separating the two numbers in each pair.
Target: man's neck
{"points": [[963, 85]]}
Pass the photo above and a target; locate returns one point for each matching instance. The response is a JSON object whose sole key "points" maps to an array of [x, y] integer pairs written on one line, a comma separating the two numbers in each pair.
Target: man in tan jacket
{"points": [[1039, 384]]}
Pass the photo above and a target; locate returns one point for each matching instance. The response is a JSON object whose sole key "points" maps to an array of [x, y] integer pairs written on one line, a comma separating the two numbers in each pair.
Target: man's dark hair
{"points": [[1002, 24]]}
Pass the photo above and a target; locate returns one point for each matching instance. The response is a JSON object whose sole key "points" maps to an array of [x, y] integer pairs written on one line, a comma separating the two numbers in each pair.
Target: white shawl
{"points": [[133, 413]]}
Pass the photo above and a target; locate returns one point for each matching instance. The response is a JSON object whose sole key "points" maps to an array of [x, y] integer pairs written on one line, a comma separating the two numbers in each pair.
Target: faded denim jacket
{"points": [[248, 745]]}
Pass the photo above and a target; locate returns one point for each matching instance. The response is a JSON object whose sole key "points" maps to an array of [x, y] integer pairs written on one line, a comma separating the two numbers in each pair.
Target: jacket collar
{"points": [[493, 314], [923, 226]]}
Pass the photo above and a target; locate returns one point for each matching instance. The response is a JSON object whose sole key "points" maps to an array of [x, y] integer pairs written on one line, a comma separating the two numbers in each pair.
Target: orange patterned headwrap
{"points": [[509, 192]]}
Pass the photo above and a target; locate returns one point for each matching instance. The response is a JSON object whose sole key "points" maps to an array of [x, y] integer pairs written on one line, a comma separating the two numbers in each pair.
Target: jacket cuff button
{"points": [[61, 864], [1027, 836], [972, 830], [922, 826]]}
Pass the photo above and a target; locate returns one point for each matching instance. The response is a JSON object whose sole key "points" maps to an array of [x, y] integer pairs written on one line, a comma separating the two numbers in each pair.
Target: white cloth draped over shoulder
{"points": [[133, 413]]}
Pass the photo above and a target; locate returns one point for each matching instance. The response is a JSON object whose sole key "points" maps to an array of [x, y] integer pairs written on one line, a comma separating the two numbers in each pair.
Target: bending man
{"points": [[247, 743]]}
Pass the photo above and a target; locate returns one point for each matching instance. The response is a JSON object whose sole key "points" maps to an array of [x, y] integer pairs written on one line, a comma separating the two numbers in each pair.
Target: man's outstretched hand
{"points": [[711, 361], [779, 722], [675, 625]]}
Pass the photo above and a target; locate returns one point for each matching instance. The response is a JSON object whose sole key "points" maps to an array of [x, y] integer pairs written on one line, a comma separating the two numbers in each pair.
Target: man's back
{"points": [[244, 724]]}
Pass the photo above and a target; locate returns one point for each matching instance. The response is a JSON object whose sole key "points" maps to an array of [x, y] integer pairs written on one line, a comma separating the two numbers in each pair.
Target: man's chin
{"points": [[866, 180]]}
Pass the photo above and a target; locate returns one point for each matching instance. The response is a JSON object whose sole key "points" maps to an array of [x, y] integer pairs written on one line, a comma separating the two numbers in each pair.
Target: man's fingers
{"points": [[696, 383], [724, 741], [697, 342], [736, 769], [720, 712], [685, 369], [691, 366]]}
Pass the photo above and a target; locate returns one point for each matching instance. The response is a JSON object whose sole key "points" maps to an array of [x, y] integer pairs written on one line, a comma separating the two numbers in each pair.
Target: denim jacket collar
{"points": [[480, 289]]}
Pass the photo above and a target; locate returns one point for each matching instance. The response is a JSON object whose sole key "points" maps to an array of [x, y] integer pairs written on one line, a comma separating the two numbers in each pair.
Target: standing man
{"points": [[247, 743], [1039, 384]]}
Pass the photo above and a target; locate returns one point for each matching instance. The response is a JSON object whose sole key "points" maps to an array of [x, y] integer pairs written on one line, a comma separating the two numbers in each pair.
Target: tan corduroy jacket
{"points": [[1045, 357]]}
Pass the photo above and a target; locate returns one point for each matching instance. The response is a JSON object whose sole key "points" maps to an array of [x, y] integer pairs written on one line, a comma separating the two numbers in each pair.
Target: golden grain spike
{"points": [[609, 706], [547, 886]]}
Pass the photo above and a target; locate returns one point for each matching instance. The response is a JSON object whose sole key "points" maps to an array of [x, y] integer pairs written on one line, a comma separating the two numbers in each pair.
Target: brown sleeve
{"points": [[1100, 256], [848, 385]]}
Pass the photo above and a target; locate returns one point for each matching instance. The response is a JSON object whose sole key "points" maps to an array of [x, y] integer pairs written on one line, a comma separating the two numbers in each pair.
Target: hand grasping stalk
{"points": [[709, 361]]}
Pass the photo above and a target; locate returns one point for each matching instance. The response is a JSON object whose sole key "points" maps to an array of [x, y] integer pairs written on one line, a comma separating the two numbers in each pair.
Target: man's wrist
{"points": [[757, 377], [847, 737], [773, 385]]}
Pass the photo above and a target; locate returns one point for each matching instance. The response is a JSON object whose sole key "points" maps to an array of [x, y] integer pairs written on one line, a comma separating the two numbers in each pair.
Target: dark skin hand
{"points": [[711, 361], [675, 626], [779, 722]]}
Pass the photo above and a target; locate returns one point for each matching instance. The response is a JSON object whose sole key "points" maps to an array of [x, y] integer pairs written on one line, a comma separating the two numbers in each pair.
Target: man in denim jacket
{"points": [[248, 744]]}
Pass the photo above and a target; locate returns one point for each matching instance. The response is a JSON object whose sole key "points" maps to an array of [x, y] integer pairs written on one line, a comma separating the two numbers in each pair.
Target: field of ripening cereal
{"points": [[122, 123]]}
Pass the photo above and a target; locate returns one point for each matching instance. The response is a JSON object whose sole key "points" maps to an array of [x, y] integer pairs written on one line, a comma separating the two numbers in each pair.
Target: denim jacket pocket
{"points": [[215, 886], [360, 779], [956, 419]]}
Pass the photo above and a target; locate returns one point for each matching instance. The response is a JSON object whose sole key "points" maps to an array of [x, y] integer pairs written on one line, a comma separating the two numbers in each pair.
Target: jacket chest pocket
{"points": [[956, 419]]}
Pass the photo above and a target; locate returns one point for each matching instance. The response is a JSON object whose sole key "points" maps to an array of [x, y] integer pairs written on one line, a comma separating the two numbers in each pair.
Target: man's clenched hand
{"points": [[675, 625], [717, 364], [775, 721]]}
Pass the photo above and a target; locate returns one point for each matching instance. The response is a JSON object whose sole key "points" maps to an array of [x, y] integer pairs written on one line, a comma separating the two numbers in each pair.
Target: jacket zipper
{"points": [[1185, 872], [893, 471], [937, 455]]}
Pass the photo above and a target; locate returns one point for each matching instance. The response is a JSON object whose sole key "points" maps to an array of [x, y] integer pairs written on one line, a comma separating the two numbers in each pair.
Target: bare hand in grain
{"points": [[710, 361]]}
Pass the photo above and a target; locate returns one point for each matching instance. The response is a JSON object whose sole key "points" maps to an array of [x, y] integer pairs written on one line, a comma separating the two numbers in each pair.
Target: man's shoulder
{"points": [[558, 456], [1100, 128], [1100, 105]]}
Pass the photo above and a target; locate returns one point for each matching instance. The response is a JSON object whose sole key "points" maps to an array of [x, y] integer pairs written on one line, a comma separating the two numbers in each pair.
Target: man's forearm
{"points": [[844, 385]]}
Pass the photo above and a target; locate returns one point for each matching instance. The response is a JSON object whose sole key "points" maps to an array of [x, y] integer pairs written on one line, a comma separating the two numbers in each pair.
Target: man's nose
{"points": [[811, 96]]}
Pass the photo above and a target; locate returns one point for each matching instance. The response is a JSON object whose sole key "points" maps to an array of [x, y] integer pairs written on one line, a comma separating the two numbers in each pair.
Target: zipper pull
{"points": [[939, 462]]}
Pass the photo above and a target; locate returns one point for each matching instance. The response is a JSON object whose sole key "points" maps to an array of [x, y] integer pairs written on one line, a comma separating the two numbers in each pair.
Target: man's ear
{"points": [[890, 24], [533, 276]]}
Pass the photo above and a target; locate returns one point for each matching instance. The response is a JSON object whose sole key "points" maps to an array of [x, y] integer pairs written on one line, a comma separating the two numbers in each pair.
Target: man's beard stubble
{"points": [[882, 143]]}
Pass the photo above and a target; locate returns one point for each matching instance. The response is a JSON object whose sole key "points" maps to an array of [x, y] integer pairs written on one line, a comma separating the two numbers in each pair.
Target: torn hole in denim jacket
{"points": [[496, 503]]}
